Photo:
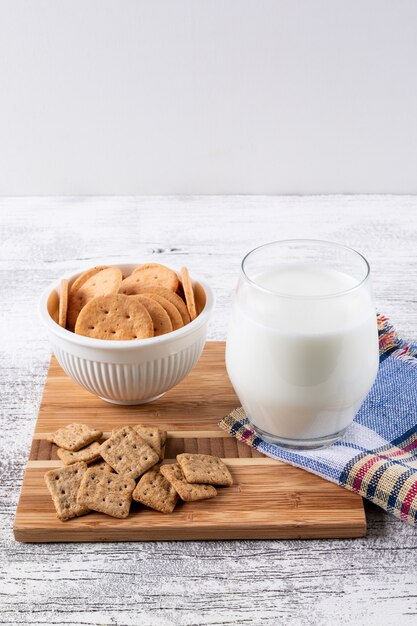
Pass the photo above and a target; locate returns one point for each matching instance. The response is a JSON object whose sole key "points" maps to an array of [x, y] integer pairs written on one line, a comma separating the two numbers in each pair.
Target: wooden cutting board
{"points": [[268, 500]]}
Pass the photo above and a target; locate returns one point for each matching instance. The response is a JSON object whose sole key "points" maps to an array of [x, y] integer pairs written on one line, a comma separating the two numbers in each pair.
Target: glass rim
{"points": [[321, 242]]}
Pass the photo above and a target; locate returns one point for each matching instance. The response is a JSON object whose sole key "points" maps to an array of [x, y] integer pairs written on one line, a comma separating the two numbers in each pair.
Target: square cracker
{"points": [[102, 466], [106, 492], [189, 493], [204, 468], [88, 454], [74, 436], [163, 443], [163, 437], [128, 453], [155, 491], [152, 436], [63, 484]]}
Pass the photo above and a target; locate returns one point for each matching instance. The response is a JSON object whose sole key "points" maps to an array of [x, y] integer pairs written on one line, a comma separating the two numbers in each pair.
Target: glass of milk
{"points": [[302, 346]]}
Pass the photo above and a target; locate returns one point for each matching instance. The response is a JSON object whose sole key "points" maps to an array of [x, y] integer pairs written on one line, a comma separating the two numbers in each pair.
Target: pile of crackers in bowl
{"points": [[127, 466], [103, 304]]}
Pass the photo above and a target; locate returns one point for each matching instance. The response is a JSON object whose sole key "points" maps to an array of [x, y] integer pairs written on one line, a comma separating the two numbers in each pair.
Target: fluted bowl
{"points": [[134, 371]]}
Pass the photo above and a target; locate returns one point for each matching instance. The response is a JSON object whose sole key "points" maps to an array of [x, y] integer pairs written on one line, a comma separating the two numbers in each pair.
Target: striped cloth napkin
{"points": [[377, 457]]}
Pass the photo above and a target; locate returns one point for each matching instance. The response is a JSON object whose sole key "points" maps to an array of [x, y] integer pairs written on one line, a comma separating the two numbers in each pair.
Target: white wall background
{"points": [[208, 96]]}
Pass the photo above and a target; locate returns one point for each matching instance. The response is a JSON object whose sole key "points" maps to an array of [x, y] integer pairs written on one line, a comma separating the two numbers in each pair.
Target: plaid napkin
{"points": [[377, 456]]}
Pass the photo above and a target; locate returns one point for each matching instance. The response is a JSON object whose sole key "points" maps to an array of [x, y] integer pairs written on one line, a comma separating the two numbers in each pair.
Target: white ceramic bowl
{"points": [[134, 371]]}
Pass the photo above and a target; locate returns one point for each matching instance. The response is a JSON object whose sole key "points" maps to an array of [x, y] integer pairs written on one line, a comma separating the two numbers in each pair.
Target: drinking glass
{"points": [[302, 346]]}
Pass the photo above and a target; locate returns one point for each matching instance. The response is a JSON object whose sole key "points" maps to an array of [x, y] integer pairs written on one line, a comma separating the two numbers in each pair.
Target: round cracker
{"points": [[63, 303], [102, 283], [132, 286], [115, 317], [175, 299], [136, 288], [82, 278], [188, 292], [161, 321], [156, 275], [180, 291], [173, 313]]}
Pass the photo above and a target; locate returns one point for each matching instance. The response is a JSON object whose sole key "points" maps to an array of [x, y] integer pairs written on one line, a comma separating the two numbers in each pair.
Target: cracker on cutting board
{"points": [[204, 468], [152, 436], [88, 454], [155, 491], [114, 317], [63, 303], [101, 466], [164, 435], [106, 492], [128, 453], [188, 292], [163, 443], [102, 283], [156, 275], [63, 484], [161, 321], [74, 436], [189, 493]]}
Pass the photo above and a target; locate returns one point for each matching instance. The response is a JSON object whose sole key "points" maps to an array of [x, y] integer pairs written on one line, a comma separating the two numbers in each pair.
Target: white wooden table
{"points": [[364, 581]]}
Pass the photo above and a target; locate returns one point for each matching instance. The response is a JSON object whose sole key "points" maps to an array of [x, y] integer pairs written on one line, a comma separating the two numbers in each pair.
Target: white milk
{"points": [[302, 367]]}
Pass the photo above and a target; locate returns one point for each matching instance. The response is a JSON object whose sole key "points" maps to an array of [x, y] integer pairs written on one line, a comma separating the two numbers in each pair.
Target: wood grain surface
{"points": [[369, 581], [268, 500]]}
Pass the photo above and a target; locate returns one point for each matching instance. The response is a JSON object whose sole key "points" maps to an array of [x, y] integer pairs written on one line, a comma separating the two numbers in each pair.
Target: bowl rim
{"points": [[126, 344]]}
